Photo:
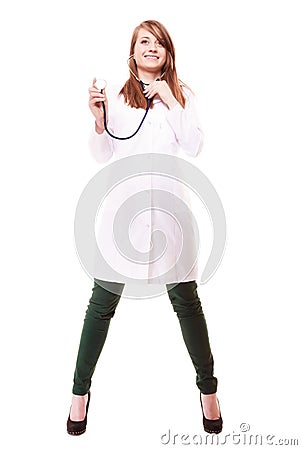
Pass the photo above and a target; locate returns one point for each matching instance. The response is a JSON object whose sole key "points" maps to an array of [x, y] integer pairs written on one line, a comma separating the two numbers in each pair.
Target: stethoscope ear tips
{"points": [[100, 84]]}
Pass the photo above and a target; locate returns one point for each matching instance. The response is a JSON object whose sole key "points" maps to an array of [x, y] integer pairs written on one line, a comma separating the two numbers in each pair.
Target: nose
{"points": [[153, 47]]}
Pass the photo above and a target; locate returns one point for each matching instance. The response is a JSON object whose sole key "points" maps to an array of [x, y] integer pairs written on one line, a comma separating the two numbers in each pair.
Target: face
{"points": [[150, 55]]}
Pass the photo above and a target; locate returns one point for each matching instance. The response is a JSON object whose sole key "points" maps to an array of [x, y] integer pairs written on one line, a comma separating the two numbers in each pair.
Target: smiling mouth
{"points": [[151, 56]]}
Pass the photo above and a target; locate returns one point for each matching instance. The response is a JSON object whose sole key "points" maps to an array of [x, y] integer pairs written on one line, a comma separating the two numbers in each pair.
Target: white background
{"points": [[243, 61]]}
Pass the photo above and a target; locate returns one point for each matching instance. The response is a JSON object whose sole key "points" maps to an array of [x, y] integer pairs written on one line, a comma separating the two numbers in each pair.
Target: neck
{"points": [[148, 77]]}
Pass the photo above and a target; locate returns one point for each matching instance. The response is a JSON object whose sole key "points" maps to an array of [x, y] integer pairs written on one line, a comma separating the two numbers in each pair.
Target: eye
{"points": [[160, 44], [144, 41]]}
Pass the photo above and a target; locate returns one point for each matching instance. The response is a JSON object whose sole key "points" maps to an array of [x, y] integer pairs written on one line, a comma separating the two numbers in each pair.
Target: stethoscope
{"points": [[101, 84]]}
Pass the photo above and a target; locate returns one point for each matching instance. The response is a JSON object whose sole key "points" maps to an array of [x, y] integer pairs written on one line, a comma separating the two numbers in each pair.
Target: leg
{"points": [[186, 304], [100, 310]]}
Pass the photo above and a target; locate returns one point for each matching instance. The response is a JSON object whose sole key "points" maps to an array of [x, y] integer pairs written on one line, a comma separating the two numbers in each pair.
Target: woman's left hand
{"points": [[162, 89]]}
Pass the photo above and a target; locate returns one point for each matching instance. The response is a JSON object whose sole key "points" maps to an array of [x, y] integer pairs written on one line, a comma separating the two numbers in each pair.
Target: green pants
{"points": [[101, 309]]}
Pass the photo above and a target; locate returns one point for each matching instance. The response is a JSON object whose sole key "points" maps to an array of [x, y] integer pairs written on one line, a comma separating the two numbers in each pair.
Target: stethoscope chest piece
{"points": [[100, 84]]}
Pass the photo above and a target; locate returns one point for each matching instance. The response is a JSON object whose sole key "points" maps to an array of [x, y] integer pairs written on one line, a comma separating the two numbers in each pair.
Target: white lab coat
{"points": [[171, 254]]}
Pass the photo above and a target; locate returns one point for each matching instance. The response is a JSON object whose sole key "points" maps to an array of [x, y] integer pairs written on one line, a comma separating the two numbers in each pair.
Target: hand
{"points": [[96, 107], [162, 89]]}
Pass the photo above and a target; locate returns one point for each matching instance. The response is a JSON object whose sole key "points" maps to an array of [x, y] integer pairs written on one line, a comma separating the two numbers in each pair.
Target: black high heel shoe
{"points": [[214, 425], [77, 427]]}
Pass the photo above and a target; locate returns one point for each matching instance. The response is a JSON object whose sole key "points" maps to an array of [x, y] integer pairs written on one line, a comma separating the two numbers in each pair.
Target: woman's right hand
{"points": [[96, 107]]}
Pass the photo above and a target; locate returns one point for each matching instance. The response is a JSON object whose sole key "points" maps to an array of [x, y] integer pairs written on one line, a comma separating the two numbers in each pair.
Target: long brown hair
{"points": [[132, 90]]}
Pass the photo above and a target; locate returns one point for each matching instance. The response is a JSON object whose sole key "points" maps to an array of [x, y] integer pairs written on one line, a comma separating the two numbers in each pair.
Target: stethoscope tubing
{"points": [[139, 127]]}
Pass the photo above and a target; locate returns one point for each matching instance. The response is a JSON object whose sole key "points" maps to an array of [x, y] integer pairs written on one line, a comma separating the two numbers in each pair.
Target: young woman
{"points": [[172, 127]]}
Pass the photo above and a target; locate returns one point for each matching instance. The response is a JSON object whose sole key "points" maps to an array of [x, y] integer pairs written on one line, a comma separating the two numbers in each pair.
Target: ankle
{"points": [[209, 397], [210, 406], [78, 407]]}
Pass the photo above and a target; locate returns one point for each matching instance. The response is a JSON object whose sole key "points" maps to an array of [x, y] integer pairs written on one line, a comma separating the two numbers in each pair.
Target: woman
{"points": [[172, 127]]}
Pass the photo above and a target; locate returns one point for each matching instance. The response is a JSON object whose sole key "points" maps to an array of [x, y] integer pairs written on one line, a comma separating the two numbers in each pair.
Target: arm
{"points": [[183, 121], [186, 126], [100, 144]]}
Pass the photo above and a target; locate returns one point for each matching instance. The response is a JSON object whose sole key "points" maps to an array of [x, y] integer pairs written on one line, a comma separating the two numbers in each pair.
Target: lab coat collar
{"points": [[156, 99]]}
